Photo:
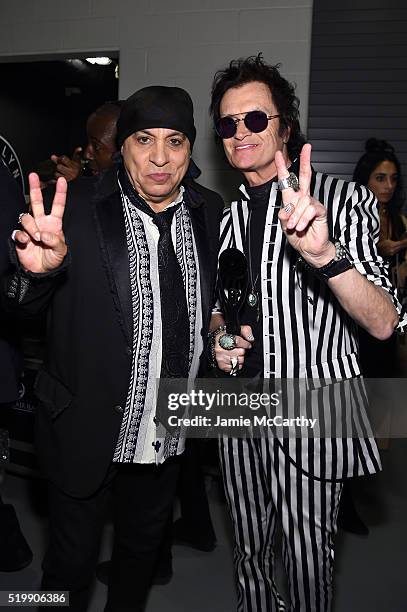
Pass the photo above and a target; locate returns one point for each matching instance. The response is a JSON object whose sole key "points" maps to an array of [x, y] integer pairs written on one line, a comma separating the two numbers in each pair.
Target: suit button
{"points": [[128, 350], [118, 409]]}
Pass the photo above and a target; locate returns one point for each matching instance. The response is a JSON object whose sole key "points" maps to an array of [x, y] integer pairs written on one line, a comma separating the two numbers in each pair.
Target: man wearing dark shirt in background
{"points": [[99, 153]]}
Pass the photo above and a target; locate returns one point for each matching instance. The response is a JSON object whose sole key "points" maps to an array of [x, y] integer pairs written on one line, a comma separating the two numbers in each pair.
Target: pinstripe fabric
{"points": [[306, 334], [261, 488]]}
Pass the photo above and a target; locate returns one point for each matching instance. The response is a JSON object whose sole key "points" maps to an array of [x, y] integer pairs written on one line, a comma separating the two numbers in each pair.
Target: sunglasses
{"points": [[256, 121]]}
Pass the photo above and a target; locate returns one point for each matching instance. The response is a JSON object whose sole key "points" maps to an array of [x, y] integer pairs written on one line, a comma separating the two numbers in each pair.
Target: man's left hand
{"points": [[304, 219]]}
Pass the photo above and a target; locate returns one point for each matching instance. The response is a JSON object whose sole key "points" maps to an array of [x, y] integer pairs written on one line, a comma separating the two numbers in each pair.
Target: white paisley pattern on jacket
{"points": [[139, 424]]}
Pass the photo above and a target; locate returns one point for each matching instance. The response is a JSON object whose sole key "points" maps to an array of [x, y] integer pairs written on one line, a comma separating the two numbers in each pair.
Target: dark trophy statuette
{"points": [[233, 280]]}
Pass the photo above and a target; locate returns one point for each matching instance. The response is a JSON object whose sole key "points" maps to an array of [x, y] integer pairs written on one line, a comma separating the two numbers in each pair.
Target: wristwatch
{"points": [[340, 263]]}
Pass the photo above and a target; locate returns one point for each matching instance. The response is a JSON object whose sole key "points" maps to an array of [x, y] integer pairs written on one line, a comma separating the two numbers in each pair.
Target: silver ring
{"points": [[235, 366], [21, 215], [227, 342], [289, 181], [289, 207]]}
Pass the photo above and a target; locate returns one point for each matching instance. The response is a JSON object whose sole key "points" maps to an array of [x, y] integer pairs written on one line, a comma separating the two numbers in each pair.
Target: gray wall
{"points": [[358, 86], [174, 42]]}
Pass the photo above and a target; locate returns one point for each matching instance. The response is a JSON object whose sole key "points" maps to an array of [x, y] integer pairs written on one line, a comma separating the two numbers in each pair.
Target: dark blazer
{"points": [[83, 385], [12, 203]]}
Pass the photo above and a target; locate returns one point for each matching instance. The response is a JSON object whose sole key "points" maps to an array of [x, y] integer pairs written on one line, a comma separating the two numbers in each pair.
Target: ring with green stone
{"points": [[227, 342]]}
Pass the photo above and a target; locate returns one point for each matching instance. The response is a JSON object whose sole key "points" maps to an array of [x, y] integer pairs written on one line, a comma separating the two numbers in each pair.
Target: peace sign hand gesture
{"points": [[40, 245], [304, 219]]}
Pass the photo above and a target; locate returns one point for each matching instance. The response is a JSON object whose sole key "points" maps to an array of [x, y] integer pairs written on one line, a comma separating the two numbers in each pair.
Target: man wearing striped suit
{"points": [[314, 274]]}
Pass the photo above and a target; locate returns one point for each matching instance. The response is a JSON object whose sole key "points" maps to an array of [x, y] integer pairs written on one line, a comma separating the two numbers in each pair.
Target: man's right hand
{"points": [[243, 343], [40, 245], [68, 168]]}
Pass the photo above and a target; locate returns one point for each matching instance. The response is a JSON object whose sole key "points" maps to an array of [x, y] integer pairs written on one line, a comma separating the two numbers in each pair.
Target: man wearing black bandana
{"points": [[126, 274], [313, 271]]}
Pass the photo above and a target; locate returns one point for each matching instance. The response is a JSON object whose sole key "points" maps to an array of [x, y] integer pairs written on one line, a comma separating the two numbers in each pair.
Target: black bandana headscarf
{"points": [[157, 107]]}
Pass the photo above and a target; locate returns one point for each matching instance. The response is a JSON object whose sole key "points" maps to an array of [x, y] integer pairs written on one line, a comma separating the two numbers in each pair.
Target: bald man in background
{"points": [[99, 153]]}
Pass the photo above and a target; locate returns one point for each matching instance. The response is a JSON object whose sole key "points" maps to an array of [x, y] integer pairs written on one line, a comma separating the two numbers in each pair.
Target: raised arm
{"points": [[39, 257], [304, 222], [40, 244]]}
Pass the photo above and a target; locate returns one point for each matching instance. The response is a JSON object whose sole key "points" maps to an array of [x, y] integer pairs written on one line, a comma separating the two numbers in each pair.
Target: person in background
{"points": [[379, 169], [99, 153], [15, 552]]}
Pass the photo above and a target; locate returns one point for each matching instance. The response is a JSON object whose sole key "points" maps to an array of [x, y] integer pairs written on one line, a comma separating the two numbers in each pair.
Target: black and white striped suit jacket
{"points": [[306, 333]]}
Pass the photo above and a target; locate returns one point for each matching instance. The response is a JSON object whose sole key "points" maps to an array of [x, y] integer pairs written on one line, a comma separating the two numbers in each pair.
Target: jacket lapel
{"points": [[113, 245], [112, 241], [205, 256]]}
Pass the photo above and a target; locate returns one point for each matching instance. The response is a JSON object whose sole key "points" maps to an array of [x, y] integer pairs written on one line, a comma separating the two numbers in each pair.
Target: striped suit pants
{"points": [[263, 487]]}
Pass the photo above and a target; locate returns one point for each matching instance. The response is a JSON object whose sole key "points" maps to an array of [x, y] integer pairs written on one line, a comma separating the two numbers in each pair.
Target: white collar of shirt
{"points": [[178, 199]]}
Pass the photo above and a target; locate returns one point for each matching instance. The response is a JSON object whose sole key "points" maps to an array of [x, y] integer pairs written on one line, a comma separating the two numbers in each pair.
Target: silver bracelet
{"points": [[212, 340]]}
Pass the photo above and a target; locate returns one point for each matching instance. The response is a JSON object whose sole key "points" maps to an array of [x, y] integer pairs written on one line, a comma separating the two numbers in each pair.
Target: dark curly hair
{"points": [[378, 151], [254, 68]]}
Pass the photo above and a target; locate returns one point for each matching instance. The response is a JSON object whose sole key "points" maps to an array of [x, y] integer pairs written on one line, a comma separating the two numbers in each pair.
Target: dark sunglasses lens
{"points": [[256, 121], [226, 127]]}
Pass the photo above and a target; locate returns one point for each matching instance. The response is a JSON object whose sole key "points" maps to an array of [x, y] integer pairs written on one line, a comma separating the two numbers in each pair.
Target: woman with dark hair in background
{"points": [[380, 171]]}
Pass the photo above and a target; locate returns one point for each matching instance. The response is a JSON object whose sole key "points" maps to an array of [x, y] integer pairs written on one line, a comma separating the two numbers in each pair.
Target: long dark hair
{"points": [[378, 151], [254, 68]]}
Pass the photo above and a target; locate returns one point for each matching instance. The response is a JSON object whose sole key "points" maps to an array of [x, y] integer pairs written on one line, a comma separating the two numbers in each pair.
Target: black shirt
{"points": [[252, 315]]}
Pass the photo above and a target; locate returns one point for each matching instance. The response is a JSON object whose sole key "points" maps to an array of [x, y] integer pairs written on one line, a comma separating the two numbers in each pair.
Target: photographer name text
{"points": [[256, 421]]}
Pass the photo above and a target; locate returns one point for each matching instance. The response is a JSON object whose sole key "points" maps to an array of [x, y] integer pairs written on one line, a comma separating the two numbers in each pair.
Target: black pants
{"points": [[192, 492], [142, 502]]}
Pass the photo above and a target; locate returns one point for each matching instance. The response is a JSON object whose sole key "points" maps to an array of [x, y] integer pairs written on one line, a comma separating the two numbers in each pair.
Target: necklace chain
{"points": [[252, 298]]}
